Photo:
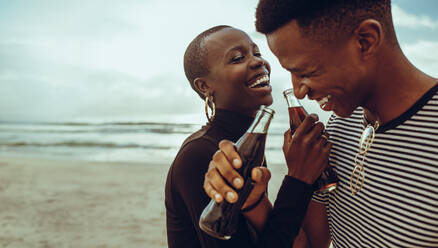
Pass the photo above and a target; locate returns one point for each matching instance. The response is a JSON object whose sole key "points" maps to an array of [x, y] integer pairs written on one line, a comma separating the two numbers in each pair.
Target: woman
{"points": [[225, 68]]}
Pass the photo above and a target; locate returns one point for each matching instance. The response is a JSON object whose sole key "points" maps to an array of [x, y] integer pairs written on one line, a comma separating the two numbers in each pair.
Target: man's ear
{"points": [[202, 86], [369, 37]]}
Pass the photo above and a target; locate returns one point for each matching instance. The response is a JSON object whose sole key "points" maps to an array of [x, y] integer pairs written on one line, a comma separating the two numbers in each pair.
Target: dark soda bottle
{"points": [[296, 116], [220, 220], [328, 180]]}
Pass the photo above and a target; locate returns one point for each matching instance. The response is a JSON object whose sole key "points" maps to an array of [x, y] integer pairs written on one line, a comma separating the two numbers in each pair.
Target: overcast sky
{"points": [[122, 60]]}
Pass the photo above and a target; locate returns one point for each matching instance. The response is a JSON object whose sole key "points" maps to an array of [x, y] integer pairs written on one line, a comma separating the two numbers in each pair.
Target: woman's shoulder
{"points": [[200, 137], [204, 138], [191, 162], [198, 147]]}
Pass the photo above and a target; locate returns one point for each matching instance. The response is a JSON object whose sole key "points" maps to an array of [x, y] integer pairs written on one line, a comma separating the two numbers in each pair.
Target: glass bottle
{"points": [[220, 220], [328, 180]]}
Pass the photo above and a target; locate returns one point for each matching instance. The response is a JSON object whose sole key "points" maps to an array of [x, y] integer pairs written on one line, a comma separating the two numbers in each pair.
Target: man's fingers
{"points": [[326, 148], [327, 163], [287, 136], [226, 170], [306, 125], [321, 141], [315, 133], [287, 140], [228, 149]]}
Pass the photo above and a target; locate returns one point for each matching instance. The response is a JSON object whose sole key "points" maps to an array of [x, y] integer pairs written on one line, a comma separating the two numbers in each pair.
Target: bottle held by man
{"points": [[328, 180], [220, 220]]}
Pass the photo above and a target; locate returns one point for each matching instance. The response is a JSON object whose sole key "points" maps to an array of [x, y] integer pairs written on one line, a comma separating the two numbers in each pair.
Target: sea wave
{"points": [[109, 141], [84, 144], [100, 131], [141, 123], [113, 127]]}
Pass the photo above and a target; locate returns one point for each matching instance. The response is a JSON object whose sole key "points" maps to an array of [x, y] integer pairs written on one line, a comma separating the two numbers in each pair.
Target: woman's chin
{"points": [[267, 101]]}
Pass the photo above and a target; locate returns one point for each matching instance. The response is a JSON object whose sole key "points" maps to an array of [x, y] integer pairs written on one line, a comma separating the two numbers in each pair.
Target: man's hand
{"points": [[306, 151], [223, 166]]}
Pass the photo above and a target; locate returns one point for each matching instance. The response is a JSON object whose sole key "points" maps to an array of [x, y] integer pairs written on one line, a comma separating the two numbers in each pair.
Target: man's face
{"points": [[238, 74], [331, 74]]}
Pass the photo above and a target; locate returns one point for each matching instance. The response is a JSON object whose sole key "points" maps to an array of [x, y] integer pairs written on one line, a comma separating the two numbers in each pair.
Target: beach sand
{"points": [[60, 203]]}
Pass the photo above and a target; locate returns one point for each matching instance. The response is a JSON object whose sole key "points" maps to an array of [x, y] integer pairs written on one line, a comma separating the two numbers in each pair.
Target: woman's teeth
{"points": [[259, 81], [324, 100]]}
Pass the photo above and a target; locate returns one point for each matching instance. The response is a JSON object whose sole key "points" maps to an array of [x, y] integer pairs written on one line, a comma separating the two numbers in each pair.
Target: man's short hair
{"points": [[323, 19], [195, 57]]}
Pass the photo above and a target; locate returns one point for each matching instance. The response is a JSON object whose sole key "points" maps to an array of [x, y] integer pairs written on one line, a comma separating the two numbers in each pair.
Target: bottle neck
{"points": [[261, 121], [291, 99]]}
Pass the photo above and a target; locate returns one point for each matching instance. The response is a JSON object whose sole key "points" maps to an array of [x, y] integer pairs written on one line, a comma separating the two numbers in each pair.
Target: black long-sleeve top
{"points": [[185, 198]]}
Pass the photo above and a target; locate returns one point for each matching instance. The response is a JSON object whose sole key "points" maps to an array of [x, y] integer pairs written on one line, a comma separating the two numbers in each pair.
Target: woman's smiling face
{"points": [[238, 75]]}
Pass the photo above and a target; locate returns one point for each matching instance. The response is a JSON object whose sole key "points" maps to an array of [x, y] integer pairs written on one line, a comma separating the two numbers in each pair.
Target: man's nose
{"points": [[300, 89]]}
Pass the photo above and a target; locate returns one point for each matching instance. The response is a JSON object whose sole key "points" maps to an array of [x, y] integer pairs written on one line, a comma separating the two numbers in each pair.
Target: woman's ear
{"points": [[202, 86]]}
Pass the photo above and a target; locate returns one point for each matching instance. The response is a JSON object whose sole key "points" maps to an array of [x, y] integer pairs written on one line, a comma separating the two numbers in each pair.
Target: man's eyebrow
{"points": [[296, 69]]}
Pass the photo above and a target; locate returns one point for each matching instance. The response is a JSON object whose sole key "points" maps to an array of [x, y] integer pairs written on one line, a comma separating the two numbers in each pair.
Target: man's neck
{"points": [[398, 86]]}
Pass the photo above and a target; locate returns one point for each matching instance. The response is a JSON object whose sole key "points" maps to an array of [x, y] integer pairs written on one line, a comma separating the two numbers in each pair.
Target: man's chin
{"points": [[342, 113]]}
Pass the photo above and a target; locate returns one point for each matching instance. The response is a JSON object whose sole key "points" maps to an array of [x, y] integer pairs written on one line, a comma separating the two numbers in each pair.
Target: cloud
{"points": [[405, 19], [96, 96], [424, 55], [34, 88], [105, 58]]}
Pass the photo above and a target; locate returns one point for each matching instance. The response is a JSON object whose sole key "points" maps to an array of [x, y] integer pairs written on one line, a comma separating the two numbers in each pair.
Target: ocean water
{"points": [[143, 142]]}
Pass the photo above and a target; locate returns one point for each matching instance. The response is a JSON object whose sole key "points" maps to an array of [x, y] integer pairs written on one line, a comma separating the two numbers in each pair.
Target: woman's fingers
{"points": [[213, 194], [261, 175], [226, 170], [229, 150], [214, 181]]}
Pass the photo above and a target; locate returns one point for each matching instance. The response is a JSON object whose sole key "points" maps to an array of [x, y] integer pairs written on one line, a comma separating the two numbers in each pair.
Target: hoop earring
{"points": [[210, 102]]}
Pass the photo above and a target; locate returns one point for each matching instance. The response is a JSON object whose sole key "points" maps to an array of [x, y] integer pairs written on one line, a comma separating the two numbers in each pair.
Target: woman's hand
{"points": [[223, 166]]}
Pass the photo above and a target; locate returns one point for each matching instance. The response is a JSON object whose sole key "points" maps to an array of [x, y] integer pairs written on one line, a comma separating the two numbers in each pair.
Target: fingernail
{"points": [[230, 196], [258, 174], [236, 162], [217, 197], [237, 182]]}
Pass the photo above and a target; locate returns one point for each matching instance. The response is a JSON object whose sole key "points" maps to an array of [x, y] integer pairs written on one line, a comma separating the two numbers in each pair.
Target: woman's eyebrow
{"points": [[236, 48]]}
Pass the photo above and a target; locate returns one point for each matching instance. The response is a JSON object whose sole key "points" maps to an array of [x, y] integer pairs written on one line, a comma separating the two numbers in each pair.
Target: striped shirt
{"points": [[398, 204]]}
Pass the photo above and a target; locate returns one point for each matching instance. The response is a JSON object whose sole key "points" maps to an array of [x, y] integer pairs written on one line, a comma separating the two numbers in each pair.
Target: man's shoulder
{"points": [[355, 117]]}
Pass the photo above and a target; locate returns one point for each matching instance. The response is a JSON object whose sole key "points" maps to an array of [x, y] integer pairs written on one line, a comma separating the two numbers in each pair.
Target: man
{"points": [[345, 55]]}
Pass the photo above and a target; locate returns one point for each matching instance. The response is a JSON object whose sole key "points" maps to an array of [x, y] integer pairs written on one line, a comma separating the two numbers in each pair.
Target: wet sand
{"points": [[60, 203]]}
